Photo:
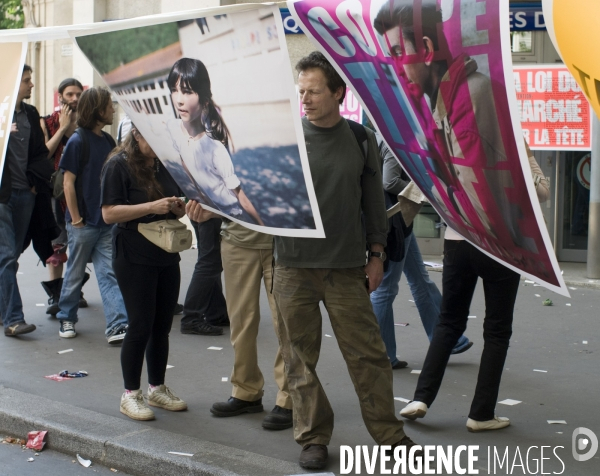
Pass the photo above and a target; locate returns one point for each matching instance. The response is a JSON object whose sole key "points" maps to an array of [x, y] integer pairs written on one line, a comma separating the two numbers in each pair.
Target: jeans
{"points": [[424, 291], [204, 297], [14, 222], [93, 242], [463, 264]]}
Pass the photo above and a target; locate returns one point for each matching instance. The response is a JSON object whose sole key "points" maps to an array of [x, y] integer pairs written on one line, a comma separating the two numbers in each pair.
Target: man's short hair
{"points": [[26, 68], [317, 60], [92, 104], [65, 83], [401, 13]]}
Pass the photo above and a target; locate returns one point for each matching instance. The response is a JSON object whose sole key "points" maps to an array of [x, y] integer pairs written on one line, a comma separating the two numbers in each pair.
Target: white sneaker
{"points": [[162, 397], [67, 329], [414, 410], [497, 423], [134, 406]]}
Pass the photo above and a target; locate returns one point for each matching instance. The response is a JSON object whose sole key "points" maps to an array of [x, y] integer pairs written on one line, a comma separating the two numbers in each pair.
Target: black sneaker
{"points": [[202, 328], [235, 406], [279, 419], [222, 321], [117, 335], [178, 309], [18, 329]]}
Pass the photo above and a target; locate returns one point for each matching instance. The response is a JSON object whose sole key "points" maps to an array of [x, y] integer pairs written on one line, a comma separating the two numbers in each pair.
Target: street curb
{"points": [[126, 445]]}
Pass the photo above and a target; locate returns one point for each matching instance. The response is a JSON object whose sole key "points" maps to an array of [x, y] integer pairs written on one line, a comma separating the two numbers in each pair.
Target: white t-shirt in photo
{"points": [[210, 164]]}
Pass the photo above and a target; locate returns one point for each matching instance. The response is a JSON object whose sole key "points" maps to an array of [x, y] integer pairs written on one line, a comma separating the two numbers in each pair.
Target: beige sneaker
{"points": [[414, 410], [497, 423], [134, 406], [162, 397]]}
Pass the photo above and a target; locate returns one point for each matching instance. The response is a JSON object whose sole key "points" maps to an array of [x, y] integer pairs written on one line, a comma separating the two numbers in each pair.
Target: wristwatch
{"points": [[378, 254]]}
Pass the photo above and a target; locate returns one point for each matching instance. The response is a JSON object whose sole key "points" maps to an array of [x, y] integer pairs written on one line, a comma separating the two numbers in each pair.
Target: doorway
{"points": [[573, 206]]}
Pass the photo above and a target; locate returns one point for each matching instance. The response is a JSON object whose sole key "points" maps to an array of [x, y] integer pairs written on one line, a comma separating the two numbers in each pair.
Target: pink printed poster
{"points": [[436, 79]]}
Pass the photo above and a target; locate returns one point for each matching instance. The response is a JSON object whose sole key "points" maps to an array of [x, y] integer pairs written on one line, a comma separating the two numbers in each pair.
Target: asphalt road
{"points": [[562, 340]]}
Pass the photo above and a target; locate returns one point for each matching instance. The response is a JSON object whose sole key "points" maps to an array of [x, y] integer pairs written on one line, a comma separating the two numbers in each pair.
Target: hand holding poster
{"points": [[214, 96], [438, 85]]}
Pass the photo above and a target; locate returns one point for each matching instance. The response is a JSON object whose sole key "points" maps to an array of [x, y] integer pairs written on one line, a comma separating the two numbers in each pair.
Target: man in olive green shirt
{"points": [[335, 270]]}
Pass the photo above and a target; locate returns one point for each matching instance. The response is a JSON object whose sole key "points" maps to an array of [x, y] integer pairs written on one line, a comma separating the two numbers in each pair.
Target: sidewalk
{"points": [[83, 417]]}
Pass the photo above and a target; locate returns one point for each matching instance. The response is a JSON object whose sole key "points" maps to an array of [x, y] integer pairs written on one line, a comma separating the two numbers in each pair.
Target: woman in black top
{"points": [[136, 188]]}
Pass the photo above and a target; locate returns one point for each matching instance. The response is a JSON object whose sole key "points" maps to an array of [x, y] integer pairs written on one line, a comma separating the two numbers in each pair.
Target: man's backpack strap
{"points": [[362, 138]]}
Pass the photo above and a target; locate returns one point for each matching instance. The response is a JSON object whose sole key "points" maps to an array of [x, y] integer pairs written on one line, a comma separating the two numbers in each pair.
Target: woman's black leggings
{"points": [[150, 294]]}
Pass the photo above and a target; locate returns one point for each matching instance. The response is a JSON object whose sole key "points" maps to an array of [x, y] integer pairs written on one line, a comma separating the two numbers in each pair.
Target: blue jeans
{"points": [[425, 293], [14, 222], [96, 243]]}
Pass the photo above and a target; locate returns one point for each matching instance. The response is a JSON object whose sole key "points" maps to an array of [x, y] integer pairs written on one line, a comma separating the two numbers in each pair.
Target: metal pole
{"points": [[593, 254]]}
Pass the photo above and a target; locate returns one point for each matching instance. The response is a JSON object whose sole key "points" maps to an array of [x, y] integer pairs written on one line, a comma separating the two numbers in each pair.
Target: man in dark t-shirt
{"points": [[336, 271], [89, 236]]}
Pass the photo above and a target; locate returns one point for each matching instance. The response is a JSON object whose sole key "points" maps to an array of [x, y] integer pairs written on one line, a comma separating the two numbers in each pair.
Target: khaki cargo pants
{"points": [[298, 292], [244, 269]]}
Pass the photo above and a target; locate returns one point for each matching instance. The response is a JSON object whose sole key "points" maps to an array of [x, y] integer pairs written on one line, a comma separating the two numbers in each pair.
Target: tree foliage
{"points": [[107, 51], [11, 14]]}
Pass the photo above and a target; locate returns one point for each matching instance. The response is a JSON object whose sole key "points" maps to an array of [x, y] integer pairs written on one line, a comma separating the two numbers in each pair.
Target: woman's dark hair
{"points": [[142, 173], [91, 106], [191, 73], [401, 13], [65, 83], [317, 60]]}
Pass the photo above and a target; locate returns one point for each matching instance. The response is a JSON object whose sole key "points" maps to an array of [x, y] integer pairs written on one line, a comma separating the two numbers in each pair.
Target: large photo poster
{"points": [[436, 82], [214, 96], [12, 57]]}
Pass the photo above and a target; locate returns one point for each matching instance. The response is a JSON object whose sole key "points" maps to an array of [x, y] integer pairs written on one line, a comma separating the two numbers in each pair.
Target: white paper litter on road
{"points": [[536, 285], [400, 399], [568, 304], [559, 432], [529, 282], [537, 295], [86, 463], [170, 366], [327, 335], [543, 371], [215, 348], [19, 272], [39, 305], [472, 317], [180, 454], [584, 342], [431, 264], [410, 300], [557, 422], [30, 460], [65, 351], [224, 379], [415, 372], [510, 401], [574, 289]]}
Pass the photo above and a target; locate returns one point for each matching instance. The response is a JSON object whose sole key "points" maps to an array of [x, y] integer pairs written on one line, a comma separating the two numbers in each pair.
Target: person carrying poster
{"points": [[348, 186]]}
